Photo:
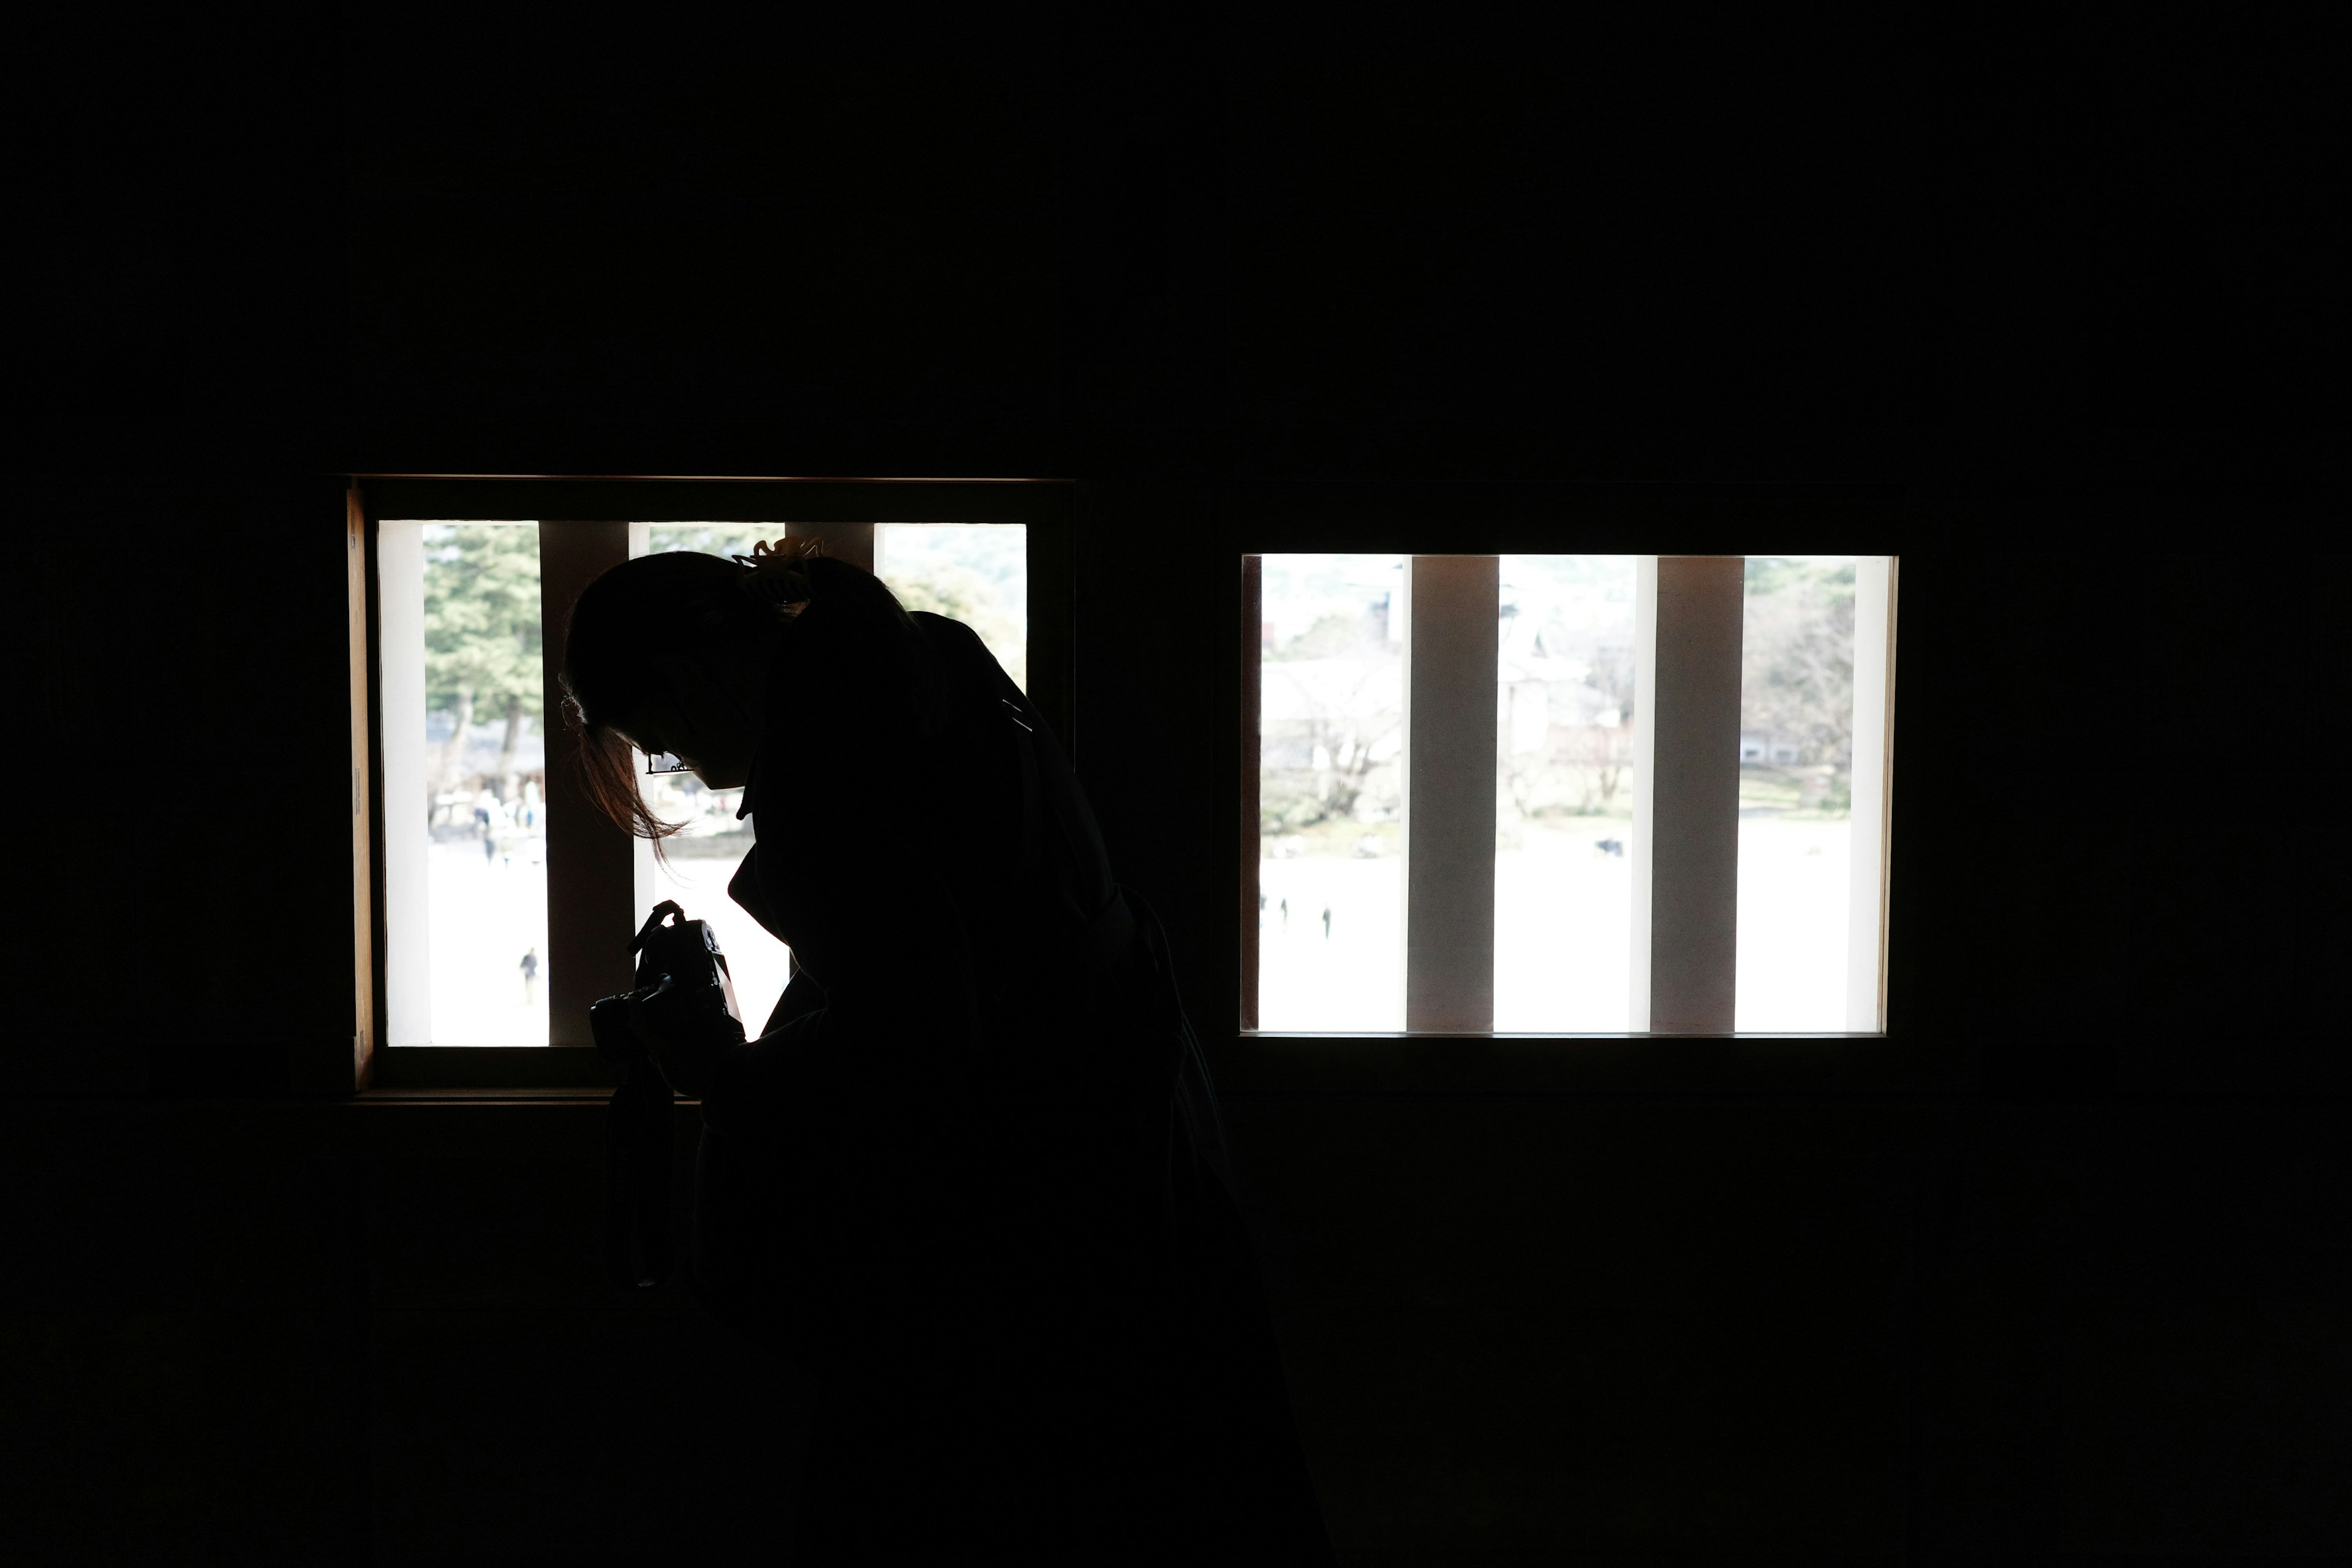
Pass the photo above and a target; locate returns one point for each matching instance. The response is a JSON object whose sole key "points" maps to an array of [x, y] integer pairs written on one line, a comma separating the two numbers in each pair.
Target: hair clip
{"points": [[772, 572], [786, 552]]}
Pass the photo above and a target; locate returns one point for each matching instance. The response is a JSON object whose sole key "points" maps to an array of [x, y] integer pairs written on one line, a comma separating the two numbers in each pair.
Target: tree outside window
{"points": [[1796, 689], [482, 638]]}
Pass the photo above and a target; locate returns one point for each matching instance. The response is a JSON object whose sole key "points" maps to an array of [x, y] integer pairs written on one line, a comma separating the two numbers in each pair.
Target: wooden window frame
{"points": [[599, 859]]}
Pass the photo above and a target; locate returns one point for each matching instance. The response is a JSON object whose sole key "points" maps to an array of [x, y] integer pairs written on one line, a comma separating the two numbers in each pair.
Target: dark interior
{"points": [[2053, 1272]]}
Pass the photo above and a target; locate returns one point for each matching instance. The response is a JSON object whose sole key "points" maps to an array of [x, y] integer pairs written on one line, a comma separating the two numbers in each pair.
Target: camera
{"points": [[683, 989], [684, 998]]}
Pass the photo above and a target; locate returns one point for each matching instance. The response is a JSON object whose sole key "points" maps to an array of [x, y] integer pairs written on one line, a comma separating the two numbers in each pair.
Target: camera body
{"points": [[682, 987]]}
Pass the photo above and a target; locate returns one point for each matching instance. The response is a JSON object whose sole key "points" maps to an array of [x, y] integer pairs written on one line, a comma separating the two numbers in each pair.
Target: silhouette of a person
{"points": [[970, 1171], [530, 967], [1327, 922]]}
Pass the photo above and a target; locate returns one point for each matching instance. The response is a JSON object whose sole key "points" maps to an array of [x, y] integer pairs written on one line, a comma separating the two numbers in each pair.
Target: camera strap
{"points": [[638, 1246]]}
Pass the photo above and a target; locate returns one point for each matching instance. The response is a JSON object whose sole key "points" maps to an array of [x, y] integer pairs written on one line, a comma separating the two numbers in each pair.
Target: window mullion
{"points": [[1252, 754], [591, 863], [1449, 792], [1874, 736], [407, 836], [1689, 620], [643, 879]]}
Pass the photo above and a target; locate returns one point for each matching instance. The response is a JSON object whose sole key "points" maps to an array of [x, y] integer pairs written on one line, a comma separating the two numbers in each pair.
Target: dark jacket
{"points": [[970, 1174]]}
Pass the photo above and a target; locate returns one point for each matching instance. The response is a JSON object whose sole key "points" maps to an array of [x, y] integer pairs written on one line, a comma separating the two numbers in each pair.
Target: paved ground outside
{"points": [[1792, 923], [1563, 918], [486, 914], [1563, 908]]}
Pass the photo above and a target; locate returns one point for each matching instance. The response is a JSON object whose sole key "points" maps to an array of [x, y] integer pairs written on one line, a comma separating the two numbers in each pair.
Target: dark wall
{"points": [[2067, 1298]]}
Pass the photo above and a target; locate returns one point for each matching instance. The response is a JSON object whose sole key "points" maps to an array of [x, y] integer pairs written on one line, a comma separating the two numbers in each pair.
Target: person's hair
{"points": [[683, 602]]}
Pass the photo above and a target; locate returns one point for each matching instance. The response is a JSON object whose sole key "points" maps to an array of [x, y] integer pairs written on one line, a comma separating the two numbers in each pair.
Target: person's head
{"points": [[665, 653], [669, 653]]}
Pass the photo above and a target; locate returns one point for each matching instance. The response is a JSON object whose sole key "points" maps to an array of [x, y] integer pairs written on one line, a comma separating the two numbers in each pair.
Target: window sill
{"points": [[473, 1068], [487, 1096], [1278, 1062], [1274, 1062]]}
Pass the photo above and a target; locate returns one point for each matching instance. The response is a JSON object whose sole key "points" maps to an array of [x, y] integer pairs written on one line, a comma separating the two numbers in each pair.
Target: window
{"points": [[500, 904], [1556, 793]]}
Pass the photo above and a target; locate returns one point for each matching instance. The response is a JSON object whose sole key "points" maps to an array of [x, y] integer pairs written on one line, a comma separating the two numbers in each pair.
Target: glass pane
{"points": [[1330, 793], [709, 538], [1564, 800], [974, 573], [1796, 789], [484, 774]]}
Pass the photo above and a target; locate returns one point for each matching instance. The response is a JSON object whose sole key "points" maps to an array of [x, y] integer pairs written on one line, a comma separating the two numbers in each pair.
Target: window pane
{"points": [[974, 573], [1564, 801], [464, 770], [1796, 789], [709, 538], [1330, 793]]}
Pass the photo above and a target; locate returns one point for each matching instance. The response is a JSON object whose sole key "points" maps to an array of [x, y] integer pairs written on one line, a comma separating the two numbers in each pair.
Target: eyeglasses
{"points": [[657, 762]]}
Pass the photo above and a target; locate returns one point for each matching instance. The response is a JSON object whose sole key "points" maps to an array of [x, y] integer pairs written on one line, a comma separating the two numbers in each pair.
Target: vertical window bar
{"points": [[1686, 831], [643, 896], [1645, 772], [1449, 792], [1052, 614], [1874, 759], [400, 702], [591, 863], [1253, 752]]}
